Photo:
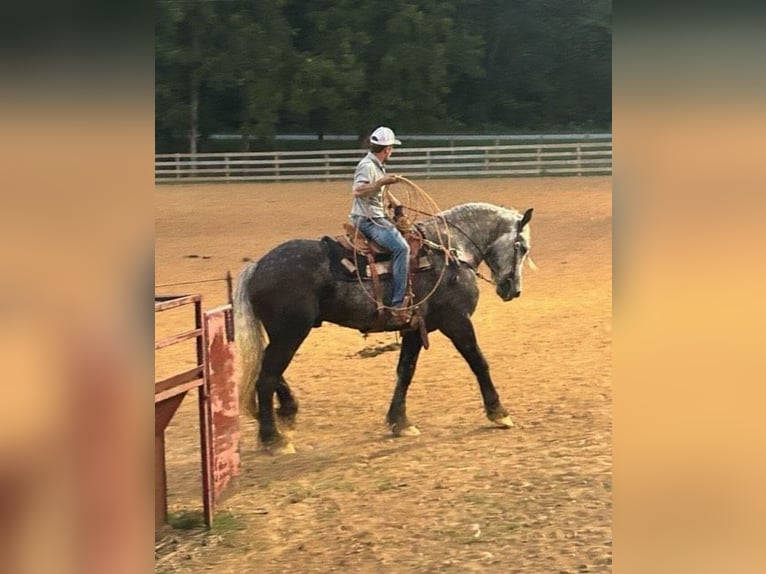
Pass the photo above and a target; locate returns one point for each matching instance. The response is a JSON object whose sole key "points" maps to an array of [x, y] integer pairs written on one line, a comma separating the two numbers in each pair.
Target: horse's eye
{"points": [[517, 245]]}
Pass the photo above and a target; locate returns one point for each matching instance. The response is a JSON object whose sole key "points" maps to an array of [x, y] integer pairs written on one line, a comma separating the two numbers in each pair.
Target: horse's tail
{"points": [[250, 341]]}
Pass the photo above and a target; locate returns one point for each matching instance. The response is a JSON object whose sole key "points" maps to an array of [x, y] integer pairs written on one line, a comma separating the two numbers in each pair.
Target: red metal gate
{"points": [[213, 377]]}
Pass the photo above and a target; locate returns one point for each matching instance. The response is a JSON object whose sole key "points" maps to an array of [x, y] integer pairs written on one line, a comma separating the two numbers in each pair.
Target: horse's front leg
{"points": [[459, 330], [397, 412]]}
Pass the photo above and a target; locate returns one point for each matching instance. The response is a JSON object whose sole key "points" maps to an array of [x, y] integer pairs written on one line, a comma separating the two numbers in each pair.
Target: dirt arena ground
{"points": [[462, 497]]}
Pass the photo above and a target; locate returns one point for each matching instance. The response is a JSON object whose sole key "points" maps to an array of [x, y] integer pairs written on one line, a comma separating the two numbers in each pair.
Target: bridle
{"points": [[514, 260]]}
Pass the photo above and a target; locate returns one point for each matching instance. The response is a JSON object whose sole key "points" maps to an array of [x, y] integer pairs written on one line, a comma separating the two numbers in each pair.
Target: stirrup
{"points": [[402, 315]]}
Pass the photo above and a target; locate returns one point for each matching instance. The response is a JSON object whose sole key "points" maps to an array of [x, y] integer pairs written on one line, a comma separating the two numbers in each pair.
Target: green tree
{"points": [[254, 60], [346, 66], [408, 63], [366, 63], [547, 63], [328, 73], [182, 67]]}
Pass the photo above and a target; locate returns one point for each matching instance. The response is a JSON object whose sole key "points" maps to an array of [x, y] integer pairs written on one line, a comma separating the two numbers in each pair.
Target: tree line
{"points": [[261, 67]]}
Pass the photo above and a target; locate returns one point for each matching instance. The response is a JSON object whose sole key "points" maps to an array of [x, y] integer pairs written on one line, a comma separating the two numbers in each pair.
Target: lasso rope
{"points": [[445, 222], [420, 193], [435, 209]]}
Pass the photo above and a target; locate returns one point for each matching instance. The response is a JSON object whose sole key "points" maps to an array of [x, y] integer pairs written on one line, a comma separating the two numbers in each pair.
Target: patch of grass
{"points": [[385, 485], [299, 493], [225, 521], [336, 486], [186, 519], [327, 513]]}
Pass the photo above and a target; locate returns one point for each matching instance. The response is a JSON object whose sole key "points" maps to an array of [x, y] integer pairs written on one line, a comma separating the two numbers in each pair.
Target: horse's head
{"points": [[509, 252]]}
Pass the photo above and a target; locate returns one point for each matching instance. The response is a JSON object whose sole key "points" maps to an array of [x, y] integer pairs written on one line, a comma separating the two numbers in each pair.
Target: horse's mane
{"points": [[509, 214], [480, 206]]}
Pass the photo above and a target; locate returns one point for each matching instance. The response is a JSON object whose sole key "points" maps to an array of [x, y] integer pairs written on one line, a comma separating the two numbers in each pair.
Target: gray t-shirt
{"points": [[369, 169]]}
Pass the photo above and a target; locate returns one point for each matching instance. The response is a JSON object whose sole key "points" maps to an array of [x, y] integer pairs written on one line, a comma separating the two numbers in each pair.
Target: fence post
{"points": [[205, 420], [539, 161], [428, 163], [178, 166], [228, 172], [276, 165], [579, 160], [486, 159], [327, 167]]}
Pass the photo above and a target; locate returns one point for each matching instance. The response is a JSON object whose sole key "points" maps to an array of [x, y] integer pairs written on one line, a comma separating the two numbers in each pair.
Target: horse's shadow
{"points": [[307, 461]]}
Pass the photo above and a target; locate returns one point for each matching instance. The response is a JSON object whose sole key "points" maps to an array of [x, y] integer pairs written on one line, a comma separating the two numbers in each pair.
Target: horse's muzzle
{"points": [[507, 292]]}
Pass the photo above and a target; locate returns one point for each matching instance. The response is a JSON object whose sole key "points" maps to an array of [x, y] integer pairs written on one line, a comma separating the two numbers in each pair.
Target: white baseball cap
{"points": [[384, 136]]}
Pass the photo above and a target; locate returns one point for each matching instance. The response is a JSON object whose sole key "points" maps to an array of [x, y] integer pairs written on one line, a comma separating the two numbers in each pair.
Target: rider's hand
{"points": [[389, 179]]}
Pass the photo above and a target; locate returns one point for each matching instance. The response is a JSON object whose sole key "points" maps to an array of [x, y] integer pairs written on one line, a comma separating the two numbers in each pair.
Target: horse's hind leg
{"points": [[277, 356], [459, 330], [288, 405], [397, 412]]}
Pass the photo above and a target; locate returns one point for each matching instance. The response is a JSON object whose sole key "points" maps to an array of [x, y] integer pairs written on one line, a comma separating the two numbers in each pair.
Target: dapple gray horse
{"points": [[293, 289]]}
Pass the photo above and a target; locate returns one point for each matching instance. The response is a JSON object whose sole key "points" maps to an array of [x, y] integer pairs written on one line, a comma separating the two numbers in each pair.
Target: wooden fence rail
{"points": [[537, 159]]}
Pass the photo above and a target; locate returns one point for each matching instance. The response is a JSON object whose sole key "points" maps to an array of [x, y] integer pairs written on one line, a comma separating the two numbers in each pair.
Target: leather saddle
{"points": [[378, 258], [367, 260], [356, 241]]}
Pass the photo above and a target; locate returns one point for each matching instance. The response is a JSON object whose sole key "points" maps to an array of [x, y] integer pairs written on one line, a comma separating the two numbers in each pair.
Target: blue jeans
{"points": [[383, 232]]}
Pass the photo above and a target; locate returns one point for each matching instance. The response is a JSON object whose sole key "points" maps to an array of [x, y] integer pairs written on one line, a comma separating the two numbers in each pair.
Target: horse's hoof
{"points": [[504, 422], [410, 430], [284, 448]]}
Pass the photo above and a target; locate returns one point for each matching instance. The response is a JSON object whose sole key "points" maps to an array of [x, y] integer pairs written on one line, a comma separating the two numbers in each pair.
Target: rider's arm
{"points": [[371, 188]]}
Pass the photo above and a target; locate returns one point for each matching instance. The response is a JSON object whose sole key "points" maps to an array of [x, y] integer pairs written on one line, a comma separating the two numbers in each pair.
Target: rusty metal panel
{"points": [[165, 302], [179, 383], [172, 340], [224, 400]]}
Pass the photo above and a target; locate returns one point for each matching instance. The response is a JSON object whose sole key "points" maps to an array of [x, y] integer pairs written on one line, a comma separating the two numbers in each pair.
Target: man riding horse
{"points": [[370, 188]]}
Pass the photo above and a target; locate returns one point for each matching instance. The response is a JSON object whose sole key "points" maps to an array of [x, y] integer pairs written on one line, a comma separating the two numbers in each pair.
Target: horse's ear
{"points": [[525, 219]]}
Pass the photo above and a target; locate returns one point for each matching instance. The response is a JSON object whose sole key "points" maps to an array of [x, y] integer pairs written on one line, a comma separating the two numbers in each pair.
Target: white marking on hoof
{"points": [[411, 430], [286, 448], [504, 422]]}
